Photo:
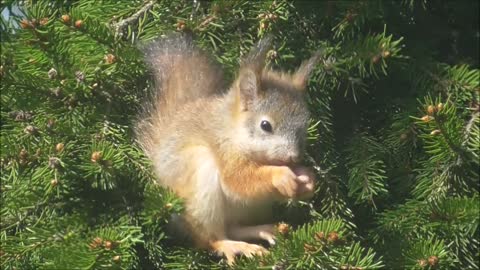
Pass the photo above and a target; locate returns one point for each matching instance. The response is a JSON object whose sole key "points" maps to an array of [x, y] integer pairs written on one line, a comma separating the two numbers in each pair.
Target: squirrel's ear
{"points": [[248, 85], [256, 57], [301, 76], [249, 77]]}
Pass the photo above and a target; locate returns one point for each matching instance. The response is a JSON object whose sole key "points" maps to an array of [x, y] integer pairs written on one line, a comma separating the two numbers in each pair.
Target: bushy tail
{"points": [[182, 74]]}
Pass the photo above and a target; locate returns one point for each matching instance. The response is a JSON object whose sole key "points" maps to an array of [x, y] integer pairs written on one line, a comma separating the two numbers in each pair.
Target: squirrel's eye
{"points": [[265, 125]]}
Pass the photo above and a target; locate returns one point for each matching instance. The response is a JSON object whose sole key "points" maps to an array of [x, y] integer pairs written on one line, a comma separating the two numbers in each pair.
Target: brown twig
{"points": [[470, 124], [120, 26], [205, 23]]}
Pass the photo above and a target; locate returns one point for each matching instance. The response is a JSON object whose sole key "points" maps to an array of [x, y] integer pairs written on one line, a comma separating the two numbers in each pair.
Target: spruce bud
{"points": [[52, 73], [66, 18], [54, 182], [283, 228], [333, 237], [440, 106], [59, 147], [433, 261], [54, 162], [96, 157], [78, 24]]}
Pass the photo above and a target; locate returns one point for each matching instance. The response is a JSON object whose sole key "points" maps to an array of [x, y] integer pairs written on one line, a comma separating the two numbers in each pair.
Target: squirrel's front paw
{"points": [[297, 183], [306, 178]]}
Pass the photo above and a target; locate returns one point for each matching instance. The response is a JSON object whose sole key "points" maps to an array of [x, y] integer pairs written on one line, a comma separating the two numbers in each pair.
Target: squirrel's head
{"points": [[270, 112]]}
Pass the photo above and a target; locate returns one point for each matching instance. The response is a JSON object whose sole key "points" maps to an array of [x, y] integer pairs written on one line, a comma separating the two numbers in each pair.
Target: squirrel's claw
{"points": [[267, 236]]}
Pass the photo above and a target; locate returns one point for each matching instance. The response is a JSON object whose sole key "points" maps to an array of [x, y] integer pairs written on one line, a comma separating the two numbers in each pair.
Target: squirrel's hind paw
{"points": [[230, 249]]}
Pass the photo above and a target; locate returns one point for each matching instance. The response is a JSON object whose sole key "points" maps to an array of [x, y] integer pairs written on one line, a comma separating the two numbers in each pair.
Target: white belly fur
{"points": [[210, 206]]}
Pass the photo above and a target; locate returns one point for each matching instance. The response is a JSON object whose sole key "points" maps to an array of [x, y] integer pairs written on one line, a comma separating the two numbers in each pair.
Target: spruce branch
{"points": [[120, 26], [446, 83], [455, 148], [367, 175], [125, 216], [460, 150]]}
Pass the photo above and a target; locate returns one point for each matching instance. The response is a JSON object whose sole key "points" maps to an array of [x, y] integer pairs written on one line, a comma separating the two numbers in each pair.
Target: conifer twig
{"points": [[470, 124], [120, 26], [455, 148]]}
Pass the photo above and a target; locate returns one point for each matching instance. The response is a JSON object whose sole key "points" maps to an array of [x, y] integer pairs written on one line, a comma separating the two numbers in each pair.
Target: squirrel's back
{"points": [[182, 74]]}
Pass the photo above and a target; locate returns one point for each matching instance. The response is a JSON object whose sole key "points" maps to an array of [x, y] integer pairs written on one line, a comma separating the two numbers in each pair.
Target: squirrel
{"points": [[228, 152]]}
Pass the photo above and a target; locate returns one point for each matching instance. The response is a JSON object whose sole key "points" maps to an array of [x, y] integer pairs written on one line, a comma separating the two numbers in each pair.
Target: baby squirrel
{"points": [[229, 153]]}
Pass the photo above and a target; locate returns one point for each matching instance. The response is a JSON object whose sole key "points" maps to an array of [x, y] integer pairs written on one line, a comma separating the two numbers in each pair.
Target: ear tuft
{"points": [[256, 57], [301, 76]]}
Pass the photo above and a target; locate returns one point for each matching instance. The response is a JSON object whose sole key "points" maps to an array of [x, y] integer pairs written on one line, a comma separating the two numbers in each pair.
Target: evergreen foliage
{"points": [[394, 136]]}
